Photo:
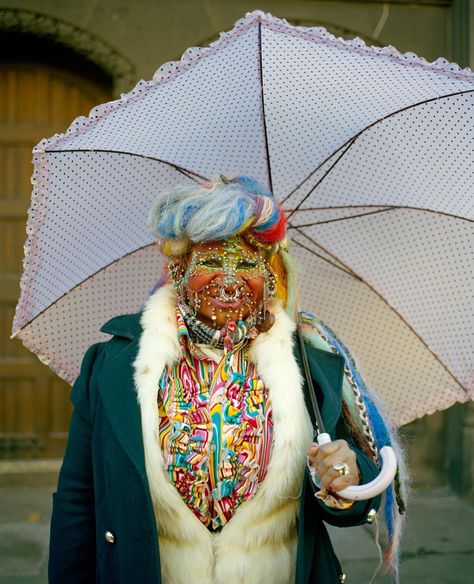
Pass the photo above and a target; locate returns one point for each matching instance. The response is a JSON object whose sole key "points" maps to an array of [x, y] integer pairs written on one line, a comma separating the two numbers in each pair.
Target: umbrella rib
{"points": [[262, 96], [343, 218], [80, 284], [349, 143], [341, 267], [189, 173], [385, 208], [375, 291], [320, 180], [321, 257], [298, 186]]}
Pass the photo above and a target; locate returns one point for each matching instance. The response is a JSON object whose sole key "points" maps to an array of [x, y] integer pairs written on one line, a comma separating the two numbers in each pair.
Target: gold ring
{"points": [[342, 468]]}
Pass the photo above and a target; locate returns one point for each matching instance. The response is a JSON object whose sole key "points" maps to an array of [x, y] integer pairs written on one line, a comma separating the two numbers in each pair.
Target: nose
{"points": [[231, 281], [231, 287]]}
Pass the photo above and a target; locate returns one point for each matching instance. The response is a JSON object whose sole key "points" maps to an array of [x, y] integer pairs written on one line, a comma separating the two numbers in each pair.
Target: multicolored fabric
{"points": [[332, 500], [215, 429]]}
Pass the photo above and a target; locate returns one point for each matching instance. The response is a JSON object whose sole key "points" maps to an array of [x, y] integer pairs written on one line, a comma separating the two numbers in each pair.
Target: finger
{"points": [[312, 453], [343, 482], [325, 450], [344, 454], [313, 450], [332, 479], [326, 464], [327, 476], [330, 447]]}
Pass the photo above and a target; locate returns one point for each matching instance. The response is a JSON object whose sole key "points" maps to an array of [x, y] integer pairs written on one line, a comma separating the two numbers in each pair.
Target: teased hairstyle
{"points": [[215, 211], [221, 209]]}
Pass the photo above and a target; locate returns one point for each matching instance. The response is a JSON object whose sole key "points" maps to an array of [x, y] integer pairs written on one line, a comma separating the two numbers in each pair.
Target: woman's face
{"points": [[225, 281]]}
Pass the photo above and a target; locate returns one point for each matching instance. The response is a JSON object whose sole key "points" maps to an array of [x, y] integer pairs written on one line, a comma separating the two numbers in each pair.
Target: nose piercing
{"points": [[225, 297], [229, 279]]}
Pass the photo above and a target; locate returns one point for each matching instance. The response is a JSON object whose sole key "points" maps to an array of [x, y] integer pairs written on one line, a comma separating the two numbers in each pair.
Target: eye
{"points": [[211, 262], [247, 264]]}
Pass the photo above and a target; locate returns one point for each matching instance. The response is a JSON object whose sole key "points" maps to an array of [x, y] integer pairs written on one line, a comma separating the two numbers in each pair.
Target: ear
{"points": [[176, 268]]}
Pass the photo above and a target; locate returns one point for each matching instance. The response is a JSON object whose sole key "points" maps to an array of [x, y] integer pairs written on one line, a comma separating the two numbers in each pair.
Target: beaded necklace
{"points": [[231, 334]]}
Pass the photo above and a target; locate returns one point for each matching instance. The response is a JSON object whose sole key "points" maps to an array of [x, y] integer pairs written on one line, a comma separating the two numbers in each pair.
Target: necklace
{"points": [[227, 337]]}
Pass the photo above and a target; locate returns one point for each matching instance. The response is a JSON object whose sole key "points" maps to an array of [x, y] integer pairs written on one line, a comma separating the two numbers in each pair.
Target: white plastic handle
{"points": [[377, 485]]}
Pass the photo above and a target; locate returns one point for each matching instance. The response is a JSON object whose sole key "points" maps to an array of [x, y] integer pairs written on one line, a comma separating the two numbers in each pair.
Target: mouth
{"points": [[227, 305], [236, 302]]}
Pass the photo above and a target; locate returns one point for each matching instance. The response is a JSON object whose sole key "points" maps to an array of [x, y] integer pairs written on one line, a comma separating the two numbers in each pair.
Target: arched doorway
{"points": [[44, 88]]}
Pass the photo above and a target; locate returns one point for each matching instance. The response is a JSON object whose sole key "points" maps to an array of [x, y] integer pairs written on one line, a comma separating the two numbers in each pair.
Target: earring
{"points": [[271, 285], [176, 272]]}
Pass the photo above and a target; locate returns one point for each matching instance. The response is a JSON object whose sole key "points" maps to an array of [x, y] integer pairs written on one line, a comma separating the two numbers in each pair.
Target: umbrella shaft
{"points": [[309, 380]]}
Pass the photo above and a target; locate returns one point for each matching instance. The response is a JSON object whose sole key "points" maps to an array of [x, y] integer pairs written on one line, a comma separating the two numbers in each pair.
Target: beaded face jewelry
{"points": [[226, 284]]}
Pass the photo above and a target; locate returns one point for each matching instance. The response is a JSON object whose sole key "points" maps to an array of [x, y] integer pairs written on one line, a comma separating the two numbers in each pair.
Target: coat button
{"points": [[342, 578], [371, 516], [109, 537]]}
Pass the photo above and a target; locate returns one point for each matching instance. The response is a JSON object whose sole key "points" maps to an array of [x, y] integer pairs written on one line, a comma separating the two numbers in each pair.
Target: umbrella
{"points": [[370, 151]]}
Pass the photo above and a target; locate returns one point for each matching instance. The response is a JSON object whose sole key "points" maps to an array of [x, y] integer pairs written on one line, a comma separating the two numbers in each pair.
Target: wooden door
{"points": [[36, 101]]}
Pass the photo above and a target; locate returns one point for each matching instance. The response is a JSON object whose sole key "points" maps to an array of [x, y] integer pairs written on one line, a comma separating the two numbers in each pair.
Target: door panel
{"points": [[36, 101]]}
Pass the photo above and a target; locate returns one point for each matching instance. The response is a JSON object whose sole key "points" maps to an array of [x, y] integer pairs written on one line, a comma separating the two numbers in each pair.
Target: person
{"points": [[190, 456]]}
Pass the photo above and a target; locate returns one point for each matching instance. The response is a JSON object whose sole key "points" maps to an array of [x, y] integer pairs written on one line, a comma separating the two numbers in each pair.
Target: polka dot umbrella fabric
{"points": [[371, 152]]}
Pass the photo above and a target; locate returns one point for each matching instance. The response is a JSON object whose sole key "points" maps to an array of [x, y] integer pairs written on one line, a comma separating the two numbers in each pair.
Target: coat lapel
{"points": [[327, 370], [117, 387]]}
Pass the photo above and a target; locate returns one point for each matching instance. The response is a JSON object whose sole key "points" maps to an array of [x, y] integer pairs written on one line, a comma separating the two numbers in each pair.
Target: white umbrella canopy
{"points": [[370, 151]]}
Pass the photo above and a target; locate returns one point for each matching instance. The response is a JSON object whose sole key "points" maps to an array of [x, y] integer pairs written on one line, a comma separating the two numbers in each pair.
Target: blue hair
{"points": [[215, 211]]}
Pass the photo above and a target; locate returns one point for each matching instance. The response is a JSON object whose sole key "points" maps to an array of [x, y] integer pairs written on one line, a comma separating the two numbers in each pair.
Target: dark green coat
{"points": [[103, 491]]}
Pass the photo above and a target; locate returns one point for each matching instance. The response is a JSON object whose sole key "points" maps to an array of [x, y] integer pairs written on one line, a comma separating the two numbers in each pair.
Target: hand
{"points": [[323, 457]]}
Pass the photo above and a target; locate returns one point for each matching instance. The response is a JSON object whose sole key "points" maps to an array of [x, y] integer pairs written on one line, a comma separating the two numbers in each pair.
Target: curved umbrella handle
{"points": [[377, 485]]}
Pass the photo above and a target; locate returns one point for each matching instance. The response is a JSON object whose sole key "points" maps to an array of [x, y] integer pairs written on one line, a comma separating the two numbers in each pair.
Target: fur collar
{"points": [[261, 536]]}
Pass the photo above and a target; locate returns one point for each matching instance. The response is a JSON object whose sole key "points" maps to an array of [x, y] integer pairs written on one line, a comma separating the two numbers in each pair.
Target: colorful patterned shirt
{"points": [[215, 429]]}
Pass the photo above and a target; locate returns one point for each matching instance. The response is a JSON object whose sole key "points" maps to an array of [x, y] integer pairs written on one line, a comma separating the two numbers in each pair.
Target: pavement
{"points": [[438, 547]]}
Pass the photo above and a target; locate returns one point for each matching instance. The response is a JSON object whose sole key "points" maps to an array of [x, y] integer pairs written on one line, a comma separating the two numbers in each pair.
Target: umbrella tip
{"points": [[255, 13]]}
